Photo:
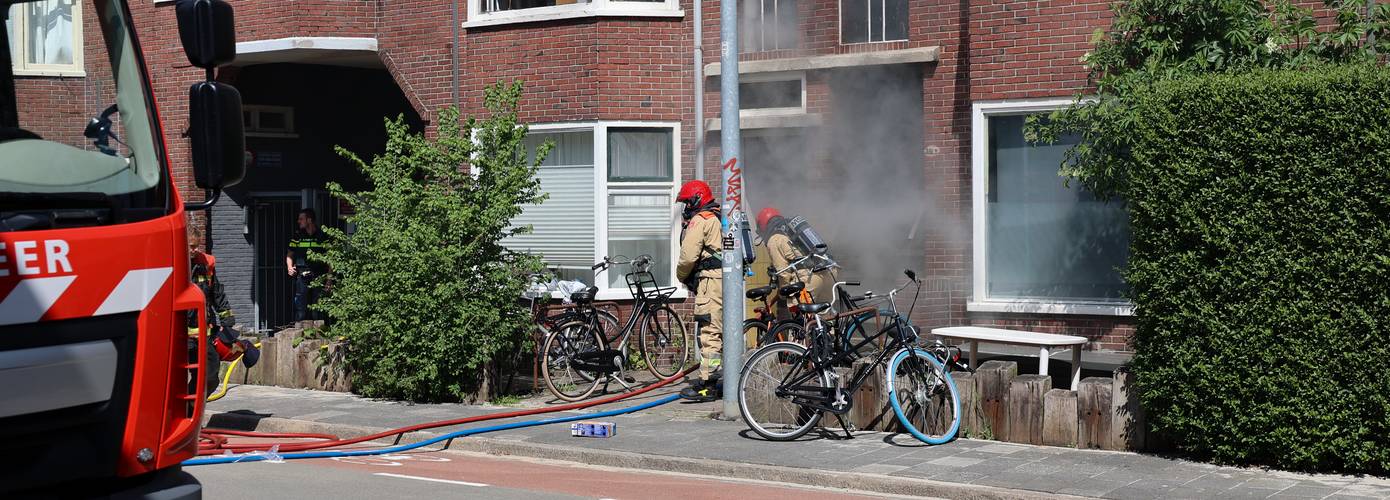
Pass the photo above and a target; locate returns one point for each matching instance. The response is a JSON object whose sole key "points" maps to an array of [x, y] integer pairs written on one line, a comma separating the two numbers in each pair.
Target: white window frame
{"points": [[254, 129], [601, 192], [979, 170], [21, 34], [775, 77], [593, 8], [840, 16]]}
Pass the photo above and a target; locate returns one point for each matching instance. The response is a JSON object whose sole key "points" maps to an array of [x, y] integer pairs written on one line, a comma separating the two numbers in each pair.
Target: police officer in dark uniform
{"points": [[297, 262]]}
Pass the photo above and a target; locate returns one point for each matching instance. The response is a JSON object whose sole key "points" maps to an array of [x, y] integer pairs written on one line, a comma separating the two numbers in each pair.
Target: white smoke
{"points": [[859, 178]]}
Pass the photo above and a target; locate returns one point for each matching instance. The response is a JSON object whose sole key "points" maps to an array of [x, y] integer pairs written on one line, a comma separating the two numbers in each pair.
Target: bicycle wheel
{"points": [[788, 330], [666, 345], [754, 334], [778, 417], [857, 329], [609, 325], [557, 367], [925, 398]]}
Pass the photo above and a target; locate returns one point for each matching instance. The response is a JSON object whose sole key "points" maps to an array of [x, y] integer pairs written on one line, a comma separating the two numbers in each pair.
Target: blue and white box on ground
{"points": [[593, 429]]}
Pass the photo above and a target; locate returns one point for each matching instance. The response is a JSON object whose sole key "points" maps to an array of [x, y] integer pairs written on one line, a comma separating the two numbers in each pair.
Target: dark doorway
{"points": [[296, 115]]}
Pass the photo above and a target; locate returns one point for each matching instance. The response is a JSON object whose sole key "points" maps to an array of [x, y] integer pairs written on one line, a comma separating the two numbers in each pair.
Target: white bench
{"points": [[1044, 341]]}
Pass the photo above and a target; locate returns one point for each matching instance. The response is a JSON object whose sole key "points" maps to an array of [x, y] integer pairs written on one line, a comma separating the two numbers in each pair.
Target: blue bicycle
{"points": [[785, 387]]}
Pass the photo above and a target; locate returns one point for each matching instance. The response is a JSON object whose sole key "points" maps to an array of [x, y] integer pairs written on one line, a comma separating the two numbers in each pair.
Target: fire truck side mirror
{"points": [[217, 135], [208, 32]]}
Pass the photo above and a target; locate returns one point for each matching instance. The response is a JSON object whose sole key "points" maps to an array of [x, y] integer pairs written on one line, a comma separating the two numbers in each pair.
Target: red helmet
{"points": [[695, 194], [765, 215]]}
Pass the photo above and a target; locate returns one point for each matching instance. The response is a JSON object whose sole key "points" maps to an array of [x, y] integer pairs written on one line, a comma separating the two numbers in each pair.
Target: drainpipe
{"points": [[457, 24], [699, 92], [733, 197]]}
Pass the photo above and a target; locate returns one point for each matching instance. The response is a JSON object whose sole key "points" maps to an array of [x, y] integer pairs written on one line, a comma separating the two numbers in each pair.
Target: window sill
{"points": [[767, 120], [833, 61], [51, 72], [522, 16], [870, 42], [1037, 307]]}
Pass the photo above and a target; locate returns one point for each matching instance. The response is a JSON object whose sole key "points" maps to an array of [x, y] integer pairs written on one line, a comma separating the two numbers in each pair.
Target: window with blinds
{"points": [[563, 225], [636, 184], [641, 162]]}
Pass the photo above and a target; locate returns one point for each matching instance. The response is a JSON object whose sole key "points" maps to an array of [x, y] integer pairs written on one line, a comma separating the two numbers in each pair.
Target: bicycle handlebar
{"points": [[801, 263], [640, 262]]}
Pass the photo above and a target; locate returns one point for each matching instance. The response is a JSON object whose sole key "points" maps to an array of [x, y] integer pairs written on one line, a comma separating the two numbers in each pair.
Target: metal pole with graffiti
{"points": [[732, 361]]}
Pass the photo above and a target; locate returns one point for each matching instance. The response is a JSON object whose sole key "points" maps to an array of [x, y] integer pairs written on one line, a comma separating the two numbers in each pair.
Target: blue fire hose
{"points": [[256, 457]]}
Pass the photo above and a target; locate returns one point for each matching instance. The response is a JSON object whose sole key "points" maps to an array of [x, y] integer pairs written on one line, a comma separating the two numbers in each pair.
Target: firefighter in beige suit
{"points": [[783, 253], [699, 268]]}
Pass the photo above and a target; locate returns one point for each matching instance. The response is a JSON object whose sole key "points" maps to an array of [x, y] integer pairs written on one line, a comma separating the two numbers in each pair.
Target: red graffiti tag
{"points": [[733, 192]]}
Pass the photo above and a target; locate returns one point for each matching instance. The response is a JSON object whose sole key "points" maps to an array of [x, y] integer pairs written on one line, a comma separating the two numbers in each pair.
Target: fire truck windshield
{"points": [[87, 144]]}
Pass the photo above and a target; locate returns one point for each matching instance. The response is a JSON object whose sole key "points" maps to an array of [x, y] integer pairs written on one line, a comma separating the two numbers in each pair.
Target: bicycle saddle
{"points": [[585, 296], [792, 289], [814, 308], [758, 293]]}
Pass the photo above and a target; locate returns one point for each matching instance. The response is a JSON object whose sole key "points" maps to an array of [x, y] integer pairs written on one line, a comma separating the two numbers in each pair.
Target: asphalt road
{"points": [[468, 475]]}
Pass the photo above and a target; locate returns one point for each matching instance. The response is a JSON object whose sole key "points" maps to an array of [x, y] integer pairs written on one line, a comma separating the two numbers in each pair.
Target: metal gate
{"points": [[273, 223]]}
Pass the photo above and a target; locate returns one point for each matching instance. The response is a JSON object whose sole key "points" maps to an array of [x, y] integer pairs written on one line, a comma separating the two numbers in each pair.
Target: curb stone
{"points": [[877, 483]]}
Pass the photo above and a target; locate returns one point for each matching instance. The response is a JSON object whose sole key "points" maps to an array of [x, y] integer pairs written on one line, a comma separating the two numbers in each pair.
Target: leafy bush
{"points": [[424, 291], [1260, 264]]}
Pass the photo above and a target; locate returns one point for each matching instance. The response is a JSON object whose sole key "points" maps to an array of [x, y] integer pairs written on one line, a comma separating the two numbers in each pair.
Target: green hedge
{"points": [[1260, 265]]}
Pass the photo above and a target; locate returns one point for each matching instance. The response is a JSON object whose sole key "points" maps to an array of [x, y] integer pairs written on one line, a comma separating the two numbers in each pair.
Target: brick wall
{"points": [[640, 69], [268, 20], [236, 258], [591, 69], [1031, 49]]}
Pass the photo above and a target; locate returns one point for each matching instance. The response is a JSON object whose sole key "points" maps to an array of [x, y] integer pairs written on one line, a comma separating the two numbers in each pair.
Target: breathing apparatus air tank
{"points": [[745, 235], [806, 237]]}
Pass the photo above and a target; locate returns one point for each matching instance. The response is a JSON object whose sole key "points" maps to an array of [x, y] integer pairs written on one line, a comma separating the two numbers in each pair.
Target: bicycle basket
{"points": [[643, 284]]}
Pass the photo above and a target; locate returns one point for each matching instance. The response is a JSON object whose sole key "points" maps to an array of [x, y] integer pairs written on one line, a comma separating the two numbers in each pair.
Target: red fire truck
{"points": [[100, 391]]}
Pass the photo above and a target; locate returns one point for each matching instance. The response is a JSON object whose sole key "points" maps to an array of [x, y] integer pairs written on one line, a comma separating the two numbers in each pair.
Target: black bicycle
{"points": [[581, 353], [785, 387]]}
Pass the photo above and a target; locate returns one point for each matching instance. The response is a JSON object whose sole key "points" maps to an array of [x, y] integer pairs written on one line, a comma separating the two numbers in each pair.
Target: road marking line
{"points": [[403, 476], [444, 481]]}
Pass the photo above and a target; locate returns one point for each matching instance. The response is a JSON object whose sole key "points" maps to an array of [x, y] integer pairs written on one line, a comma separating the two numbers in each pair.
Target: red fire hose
{"points": [[214, 441]]}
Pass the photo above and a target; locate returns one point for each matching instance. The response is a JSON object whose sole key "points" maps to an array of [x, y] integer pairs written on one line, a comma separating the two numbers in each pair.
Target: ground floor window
{"points": [[1038, 239], [611, 188]]}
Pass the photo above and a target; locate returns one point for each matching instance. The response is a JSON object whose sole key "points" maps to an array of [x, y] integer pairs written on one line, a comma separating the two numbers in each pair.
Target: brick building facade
{"points": [[892, 124]]}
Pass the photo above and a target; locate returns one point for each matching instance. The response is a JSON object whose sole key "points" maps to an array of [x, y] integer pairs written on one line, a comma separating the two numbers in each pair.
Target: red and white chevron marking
{"points": [[32, 298]]}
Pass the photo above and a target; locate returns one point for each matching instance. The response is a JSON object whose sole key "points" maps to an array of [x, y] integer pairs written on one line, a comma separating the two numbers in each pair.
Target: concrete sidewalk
{"points": [[681, 437]]}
